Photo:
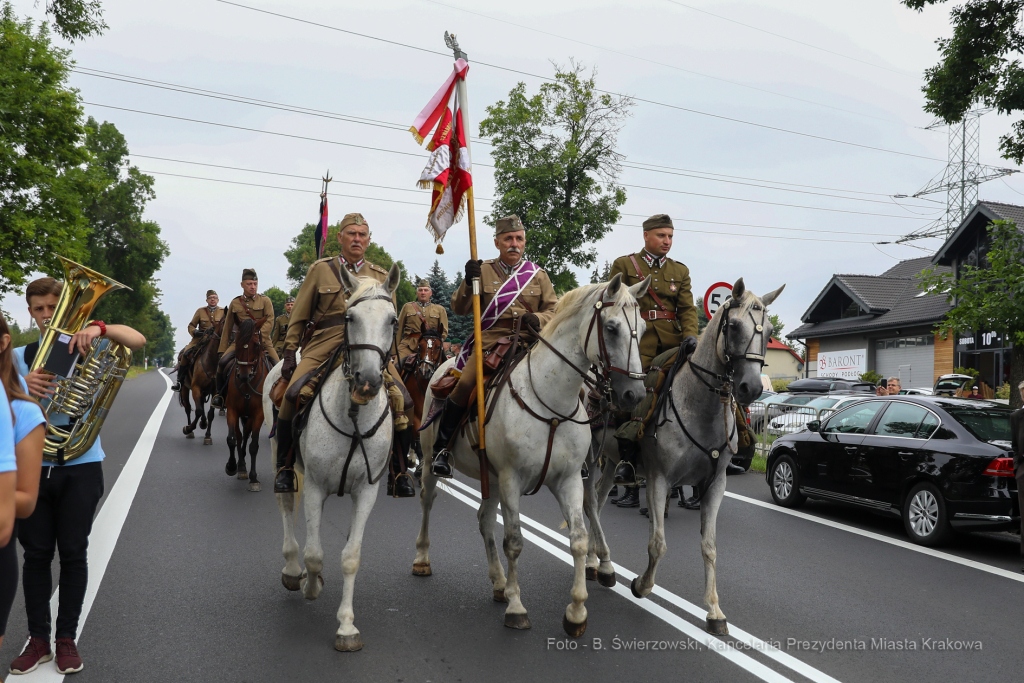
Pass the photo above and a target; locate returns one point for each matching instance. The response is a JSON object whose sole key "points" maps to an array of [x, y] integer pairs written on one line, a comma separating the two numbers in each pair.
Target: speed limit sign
{"points": [[715, 296]]}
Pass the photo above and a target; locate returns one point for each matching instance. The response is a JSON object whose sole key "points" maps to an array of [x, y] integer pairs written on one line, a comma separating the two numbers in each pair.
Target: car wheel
{"points": [[784, 483], [924, 515]]}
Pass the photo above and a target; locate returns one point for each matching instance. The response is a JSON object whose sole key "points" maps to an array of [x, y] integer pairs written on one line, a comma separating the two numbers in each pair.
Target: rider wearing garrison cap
{"points": [[415, 317], [281, 326], [250, 305], [204, 318]]}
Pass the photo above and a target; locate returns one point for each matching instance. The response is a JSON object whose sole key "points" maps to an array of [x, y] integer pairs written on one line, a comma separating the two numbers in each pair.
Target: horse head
{"points": [[741, 331], [370, 323], [430, 353], [247, 343]]}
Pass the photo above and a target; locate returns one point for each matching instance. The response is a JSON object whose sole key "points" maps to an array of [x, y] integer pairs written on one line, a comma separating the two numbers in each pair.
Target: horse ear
{"points": [[349, 281], [738, 290], [640, 288], [772, 296], [614, 284], [394, 278]]}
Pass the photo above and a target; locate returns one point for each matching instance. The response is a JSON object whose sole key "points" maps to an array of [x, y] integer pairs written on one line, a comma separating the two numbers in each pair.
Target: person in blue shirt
{"points": [[68, 496]]}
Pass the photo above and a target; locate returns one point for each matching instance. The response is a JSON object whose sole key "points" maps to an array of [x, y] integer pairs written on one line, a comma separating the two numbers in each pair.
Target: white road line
{"points": [[694, 632], [108, 524], [907, 545]]}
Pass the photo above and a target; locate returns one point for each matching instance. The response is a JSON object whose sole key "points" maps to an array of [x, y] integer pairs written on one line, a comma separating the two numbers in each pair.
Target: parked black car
{"points": [[942, 464], [822, 385]]}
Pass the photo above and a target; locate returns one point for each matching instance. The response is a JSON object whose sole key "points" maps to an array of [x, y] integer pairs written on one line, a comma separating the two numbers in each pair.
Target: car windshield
{"points": [[798, 400], [774, 398], [987, 424], [823, 403], [950, 384], [763, 397]]}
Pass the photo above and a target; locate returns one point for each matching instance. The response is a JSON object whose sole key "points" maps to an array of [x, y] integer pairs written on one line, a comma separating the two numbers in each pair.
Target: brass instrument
{"points": [[87, 394]]}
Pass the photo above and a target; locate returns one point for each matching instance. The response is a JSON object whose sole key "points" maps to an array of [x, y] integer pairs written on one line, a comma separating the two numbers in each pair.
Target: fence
{"points": [[769, 421]]}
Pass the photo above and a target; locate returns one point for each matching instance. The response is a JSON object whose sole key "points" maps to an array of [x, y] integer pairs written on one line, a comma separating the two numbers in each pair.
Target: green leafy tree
{"points": [[871, 376], [555, 166], [278, 296], [20, 337], [76, 19], [978, 66], [462, 325], [702, 319], [602, 274], [989, 296], [43, 173]]}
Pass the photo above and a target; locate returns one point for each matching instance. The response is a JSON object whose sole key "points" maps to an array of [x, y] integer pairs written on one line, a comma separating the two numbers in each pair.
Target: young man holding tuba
{"points": [[68, 496]]}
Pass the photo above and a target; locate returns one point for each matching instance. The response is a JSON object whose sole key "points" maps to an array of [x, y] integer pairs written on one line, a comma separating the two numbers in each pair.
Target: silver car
{"points": [[796, 419]]}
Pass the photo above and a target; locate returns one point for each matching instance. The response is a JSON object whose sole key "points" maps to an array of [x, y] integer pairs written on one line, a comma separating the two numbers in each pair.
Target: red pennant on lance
{"points": [[448, 170], [320, 233]]}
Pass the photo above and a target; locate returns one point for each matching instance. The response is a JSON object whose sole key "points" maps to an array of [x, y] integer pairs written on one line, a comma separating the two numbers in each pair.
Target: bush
{"points": [[967, 371], [871, 376], [1003, 391], [780, 384]]}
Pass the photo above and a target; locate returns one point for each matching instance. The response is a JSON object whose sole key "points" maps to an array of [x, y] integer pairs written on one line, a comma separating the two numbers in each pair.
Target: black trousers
{"points": [[1020, 506], [62, 520], [8, 578]]}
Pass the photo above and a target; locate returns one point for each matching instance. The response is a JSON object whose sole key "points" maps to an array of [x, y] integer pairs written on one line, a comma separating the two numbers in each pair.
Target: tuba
{"points": [[87, 394]]}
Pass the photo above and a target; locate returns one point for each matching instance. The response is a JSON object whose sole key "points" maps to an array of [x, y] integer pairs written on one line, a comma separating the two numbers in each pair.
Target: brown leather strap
{"points": [[324, 320], [650, 291], [658, 315]]}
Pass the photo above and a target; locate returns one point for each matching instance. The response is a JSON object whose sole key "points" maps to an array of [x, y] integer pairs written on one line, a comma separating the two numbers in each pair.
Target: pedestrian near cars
{"points": [[892, 387], [1017, 440]]}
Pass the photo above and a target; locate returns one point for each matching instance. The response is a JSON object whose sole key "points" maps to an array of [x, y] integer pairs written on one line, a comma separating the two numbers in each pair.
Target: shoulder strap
{"points": [[312, 325], [650, 292], [419, 312], [30, 352]]}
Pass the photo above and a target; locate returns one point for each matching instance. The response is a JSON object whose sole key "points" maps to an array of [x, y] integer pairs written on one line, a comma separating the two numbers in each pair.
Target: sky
{"points": [[824, 107]]}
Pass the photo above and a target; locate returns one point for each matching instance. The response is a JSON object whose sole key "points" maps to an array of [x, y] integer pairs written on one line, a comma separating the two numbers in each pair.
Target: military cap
{"points": [[210, 293], [508, 224], [660, 220], [352, 219], [290, 300], [249, 274], [423, 283]]}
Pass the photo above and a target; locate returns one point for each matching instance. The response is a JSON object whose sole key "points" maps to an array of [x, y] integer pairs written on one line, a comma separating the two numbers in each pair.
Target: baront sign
{"points": [[846, 364]]}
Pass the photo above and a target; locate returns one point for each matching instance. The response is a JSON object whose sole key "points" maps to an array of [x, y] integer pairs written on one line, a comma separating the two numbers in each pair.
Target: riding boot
{"points": [[631, 499], [447, 425], [284, 482], [218, 398], [625, 472], [399, 484], [692, 503]]}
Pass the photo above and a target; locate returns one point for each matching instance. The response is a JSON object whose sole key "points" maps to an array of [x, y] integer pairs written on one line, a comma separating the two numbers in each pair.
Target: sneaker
{"points": [[68, 661], [36, 652]]}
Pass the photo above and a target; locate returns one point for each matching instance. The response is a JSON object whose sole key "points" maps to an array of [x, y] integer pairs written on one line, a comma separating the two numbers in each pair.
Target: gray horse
{"points": [[691, 440]]}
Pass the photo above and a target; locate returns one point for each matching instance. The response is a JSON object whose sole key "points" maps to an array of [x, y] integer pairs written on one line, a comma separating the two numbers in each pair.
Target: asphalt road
{"points": [[192, 589]]}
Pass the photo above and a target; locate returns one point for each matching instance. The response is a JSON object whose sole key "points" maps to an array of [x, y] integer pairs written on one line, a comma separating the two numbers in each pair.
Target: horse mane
{"points": [[246, 330], [430, 333], [367, 285], [571, 302]]}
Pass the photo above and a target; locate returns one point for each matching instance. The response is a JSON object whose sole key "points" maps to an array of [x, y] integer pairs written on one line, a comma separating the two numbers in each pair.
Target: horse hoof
{"points": [[717, 627], [291, 582], [348, 643], [186, 430], [519, 621], [254, 487], [499, 595], [632, 589], [571, 629], [189, 435], [606, 580], [423, 569], [229, 470], [222, 412], [207, 441], [305, 578], [591, 573], [242, 474]]}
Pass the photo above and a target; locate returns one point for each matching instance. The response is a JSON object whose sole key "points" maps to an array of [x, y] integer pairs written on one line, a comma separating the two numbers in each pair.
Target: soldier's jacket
{"points": [[411, 321], [280, 331], [539, 295], [260, 306], [670, 280], [202, 321], [317, 298]]}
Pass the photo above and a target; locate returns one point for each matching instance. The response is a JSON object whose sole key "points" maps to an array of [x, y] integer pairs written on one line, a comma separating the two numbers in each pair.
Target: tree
{"points": [[20, 337], [989, 296], [459, 326], [462, 325], [702, 319], [302, 254], [43, 173], [278, 297], [602, 275], [978, 66], [76, 19], [778, 326], [555, 166]]}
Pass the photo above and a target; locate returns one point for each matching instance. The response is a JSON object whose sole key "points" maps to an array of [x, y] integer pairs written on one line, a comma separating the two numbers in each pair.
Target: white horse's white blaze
{"points": [[517, 441], [323, 452]]}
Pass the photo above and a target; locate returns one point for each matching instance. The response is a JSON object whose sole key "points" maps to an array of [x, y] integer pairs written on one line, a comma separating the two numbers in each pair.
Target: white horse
{"points": [[691, 440], [345, 446], [539, 433]]}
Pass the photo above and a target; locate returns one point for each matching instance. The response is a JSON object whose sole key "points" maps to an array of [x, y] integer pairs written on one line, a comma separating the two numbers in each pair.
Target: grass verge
{"points": [[136, 370], [758, 463]]}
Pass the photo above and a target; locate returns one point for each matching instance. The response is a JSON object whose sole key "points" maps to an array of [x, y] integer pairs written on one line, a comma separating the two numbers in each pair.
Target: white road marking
{"points": [[907, 545], [698, 634], [108, 524]]}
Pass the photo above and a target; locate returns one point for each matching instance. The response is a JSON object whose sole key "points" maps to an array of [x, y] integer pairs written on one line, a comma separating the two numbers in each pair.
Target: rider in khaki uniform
{"points": [[205, 317], [281, 326], [535, 306], [668, 309], [250, 305], [415, 316], [321, 305]]}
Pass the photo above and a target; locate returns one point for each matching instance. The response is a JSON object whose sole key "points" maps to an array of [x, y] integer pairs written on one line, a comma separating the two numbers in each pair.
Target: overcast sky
{"points": [[868, 94]]}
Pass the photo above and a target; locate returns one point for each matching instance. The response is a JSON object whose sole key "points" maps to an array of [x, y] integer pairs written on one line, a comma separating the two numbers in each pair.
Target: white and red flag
{"points": [[448, 171]]}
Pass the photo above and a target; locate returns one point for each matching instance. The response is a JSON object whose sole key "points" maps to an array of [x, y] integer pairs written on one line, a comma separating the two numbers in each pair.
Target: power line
{"points": [[667, 66], [761, 227], [676, 107], [792, 40]]}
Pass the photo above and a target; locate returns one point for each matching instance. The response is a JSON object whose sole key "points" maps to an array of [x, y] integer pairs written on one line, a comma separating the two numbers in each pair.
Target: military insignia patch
{"points": [[673, 287]]}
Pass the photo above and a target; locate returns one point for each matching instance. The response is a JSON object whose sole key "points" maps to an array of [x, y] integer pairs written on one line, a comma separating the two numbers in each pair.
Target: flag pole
{"points": [[478, 353]]}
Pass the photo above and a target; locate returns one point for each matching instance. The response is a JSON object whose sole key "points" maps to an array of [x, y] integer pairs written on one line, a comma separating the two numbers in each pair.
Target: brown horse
{"points": [[429, 356], [244, 402], [202, 383]]}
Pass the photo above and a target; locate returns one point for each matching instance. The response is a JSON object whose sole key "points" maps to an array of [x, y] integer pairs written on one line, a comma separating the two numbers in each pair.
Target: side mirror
{"points": [[814, 425]]}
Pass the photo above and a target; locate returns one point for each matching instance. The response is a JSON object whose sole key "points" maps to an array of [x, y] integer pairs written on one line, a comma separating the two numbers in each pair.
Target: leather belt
{"points": [[655, 314], [330, 321]]}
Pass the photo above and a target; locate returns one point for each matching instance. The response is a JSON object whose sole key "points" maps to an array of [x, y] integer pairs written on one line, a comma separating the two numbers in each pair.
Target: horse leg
{"points": [[569, 495], [208, 441], [657, 493], [288, 503], [243, 473], [486, 516], [712, 500], [515, 613], [189, 425], [347, 638], [599, 562], [254, 448], [428, 491], [313, 557], [233, 436]]}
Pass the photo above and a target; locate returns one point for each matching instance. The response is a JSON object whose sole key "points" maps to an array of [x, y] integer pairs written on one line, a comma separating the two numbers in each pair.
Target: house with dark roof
{"points": [[782, 362], [881, 322]]}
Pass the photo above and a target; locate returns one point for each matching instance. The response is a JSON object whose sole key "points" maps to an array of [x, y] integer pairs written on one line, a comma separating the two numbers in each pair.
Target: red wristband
{"points": [[100, 324]]}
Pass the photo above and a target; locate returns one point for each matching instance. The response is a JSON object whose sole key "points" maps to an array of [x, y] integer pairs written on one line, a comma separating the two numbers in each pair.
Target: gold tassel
{"points": [[439, 250]]}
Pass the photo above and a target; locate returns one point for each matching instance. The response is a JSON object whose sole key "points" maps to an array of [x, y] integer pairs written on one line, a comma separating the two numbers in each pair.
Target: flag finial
{"points": [[453, 45]]}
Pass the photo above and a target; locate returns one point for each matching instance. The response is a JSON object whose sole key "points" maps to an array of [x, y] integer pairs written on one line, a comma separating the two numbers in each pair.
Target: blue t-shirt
{"points": [[94, 454], [27, 415], [7, 461]]}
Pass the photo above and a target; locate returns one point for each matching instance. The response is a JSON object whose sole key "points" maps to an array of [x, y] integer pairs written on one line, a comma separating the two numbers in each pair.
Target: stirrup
{"points": [[443, 468], [622, 476], [176, 386], [284, 482], [217, 401]]}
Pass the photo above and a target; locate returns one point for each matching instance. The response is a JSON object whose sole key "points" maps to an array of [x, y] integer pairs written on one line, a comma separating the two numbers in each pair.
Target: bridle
{"points": [[346, 347], [425, 363], [251, 365]]}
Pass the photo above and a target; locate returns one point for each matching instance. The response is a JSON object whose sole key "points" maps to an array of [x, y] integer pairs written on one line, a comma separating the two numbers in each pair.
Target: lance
{"points": [[478, 353], [321, 227]]}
